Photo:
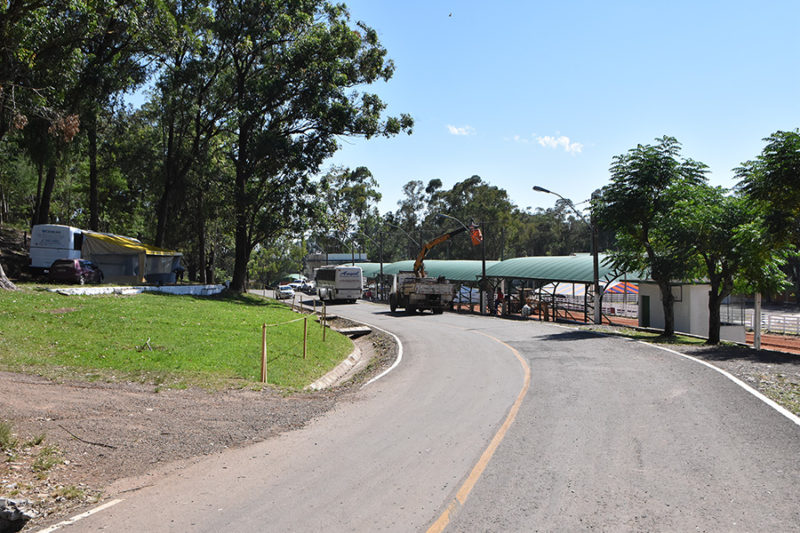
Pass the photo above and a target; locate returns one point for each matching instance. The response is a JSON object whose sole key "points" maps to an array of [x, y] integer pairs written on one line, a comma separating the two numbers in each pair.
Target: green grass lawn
{"points": [[175, 341]]}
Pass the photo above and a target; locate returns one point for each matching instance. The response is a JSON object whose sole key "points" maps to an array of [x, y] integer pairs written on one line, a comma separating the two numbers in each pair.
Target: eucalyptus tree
{"points": [[294, 71], [37, 57], [474, 200], [112, 59], [38, 43], [646, 183], [348, 197], [189, 103]]}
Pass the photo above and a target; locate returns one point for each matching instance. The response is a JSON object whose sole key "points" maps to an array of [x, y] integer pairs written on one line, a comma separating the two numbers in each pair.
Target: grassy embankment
{"points": [[173, 341]]}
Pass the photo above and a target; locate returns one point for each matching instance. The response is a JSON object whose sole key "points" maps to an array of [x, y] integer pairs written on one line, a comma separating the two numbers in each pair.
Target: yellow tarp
{"points": [[125, 260], [130, 244]]}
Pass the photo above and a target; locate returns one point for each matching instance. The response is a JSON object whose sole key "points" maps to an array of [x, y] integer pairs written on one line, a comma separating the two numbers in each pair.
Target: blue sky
{"points": [[546, 93]]}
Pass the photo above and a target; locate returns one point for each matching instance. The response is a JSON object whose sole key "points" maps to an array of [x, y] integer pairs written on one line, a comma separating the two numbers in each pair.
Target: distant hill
{"points": [[14, 252]]}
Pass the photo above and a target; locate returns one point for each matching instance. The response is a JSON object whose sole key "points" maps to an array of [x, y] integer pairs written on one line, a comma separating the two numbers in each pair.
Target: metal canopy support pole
{"points": [[757, 322], [483, 271], [598, 309], [380, 281]]}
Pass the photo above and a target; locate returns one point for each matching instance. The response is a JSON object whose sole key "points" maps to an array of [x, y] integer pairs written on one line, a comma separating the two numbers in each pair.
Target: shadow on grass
{"points": [[742, 353]]}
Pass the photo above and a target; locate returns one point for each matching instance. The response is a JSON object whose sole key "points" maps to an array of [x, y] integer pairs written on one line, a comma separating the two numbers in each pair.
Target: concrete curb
{"points": [[194, 290], [342, 371]]}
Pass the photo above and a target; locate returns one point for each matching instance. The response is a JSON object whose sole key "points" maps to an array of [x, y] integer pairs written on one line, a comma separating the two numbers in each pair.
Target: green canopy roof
{"points": [[452, 270], [371, 270], [572, 268], [569, 268]]}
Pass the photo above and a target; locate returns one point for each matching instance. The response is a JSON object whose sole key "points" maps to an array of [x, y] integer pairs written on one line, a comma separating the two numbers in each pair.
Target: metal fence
{"points": [[739, 310]]}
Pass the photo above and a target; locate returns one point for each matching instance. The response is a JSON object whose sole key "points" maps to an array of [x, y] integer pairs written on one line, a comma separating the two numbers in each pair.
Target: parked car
{"points": [[283, 292], [309, 287], [75, 271]]}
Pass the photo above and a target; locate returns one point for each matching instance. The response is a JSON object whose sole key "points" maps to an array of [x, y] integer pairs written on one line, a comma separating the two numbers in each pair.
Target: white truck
{"points": [[413, 293], [413, 290]]}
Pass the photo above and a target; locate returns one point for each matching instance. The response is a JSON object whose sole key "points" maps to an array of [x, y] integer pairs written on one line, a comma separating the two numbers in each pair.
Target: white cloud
{"points": [[464, 130], [560, 141]]}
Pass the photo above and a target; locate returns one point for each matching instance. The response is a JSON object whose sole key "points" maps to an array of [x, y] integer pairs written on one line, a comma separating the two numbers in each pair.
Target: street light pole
{"points": [[598, 315]]}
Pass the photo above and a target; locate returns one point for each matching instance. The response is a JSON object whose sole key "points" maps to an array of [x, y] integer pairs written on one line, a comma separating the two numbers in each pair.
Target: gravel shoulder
{"points": [[775, 374]]}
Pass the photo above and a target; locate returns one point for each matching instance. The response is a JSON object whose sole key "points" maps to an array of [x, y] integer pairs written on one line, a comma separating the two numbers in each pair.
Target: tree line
{"points": [[246, 100]]}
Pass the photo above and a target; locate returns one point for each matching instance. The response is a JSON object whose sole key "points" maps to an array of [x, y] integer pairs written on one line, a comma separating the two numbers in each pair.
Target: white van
{"points": [[52, 241]]}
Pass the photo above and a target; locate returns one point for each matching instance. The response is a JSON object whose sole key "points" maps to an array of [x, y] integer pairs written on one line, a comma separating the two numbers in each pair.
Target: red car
{"points": [[75, 271]]}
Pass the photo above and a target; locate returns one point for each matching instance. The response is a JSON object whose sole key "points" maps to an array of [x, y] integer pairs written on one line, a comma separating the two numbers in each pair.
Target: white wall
{"points": [[691, 310]]}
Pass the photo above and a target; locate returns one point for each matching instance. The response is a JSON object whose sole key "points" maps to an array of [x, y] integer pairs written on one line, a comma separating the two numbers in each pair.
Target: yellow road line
{"points": [[486, 456]]}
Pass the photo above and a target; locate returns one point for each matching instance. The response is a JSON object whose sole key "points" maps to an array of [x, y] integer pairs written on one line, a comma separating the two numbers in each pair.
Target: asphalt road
{"points": [[610, 435]]}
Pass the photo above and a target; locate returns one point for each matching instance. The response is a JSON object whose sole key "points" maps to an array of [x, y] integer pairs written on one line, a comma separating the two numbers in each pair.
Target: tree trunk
{"points": [[240, 205], [668, 301], [44, 205], [209, 267], [38, 200], [5, 283], [242, 252], [94, 204], [201, 239], [162, 212], [714, 320]]}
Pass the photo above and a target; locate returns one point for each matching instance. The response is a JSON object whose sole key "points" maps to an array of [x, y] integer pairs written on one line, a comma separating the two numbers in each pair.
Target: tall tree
{"points": [[294, 70], [646, 183], [474, 200], [111, 62], [728, 233], [773, 181], [349, 196], [189, 105]]}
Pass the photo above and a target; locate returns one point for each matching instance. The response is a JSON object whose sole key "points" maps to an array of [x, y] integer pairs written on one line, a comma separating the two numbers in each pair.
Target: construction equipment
{"points": [[413, 290]]}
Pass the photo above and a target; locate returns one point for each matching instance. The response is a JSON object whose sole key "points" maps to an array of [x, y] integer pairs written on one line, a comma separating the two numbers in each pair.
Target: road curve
{"points": [[388, 460], [612, 435], [617, 435]]}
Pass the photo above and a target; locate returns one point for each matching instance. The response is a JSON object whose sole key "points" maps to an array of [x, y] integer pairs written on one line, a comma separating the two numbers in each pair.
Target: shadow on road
{"points": [[578, 335]]}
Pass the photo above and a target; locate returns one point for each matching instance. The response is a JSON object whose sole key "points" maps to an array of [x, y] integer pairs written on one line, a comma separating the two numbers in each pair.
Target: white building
{"points": [[690, 309]]}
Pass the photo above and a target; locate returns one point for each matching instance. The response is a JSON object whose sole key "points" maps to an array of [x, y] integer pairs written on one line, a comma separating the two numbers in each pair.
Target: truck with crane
{"points": [[414, 291]]}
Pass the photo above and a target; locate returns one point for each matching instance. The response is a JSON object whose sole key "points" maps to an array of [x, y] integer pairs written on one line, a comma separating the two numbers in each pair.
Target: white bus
{"points": [[339, 283]]}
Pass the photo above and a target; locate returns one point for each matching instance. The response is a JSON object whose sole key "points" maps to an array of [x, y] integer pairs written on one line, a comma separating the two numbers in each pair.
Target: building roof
{"points": [[452, 270], [571, 268]]}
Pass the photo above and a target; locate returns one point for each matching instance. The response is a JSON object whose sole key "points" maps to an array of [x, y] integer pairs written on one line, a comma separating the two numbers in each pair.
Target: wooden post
{"points": [[305, 336], [264, 353], [293, 297], [324, 320]]}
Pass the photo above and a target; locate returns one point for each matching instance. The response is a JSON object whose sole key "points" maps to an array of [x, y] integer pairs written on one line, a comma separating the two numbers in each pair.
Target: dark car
{"points": [[75, 271]]}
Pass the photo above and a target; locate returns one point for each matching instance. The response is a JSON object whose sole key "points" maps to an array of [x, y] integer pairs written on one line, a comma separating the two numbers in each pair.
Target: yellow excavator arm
{"points": [[419, 270]]}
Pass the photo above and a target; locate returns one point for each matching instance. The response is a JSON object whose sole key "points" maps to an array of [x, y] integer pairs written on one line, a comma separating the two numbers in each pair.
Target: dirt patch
{"points": [[62, 310], [74, 439]]}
